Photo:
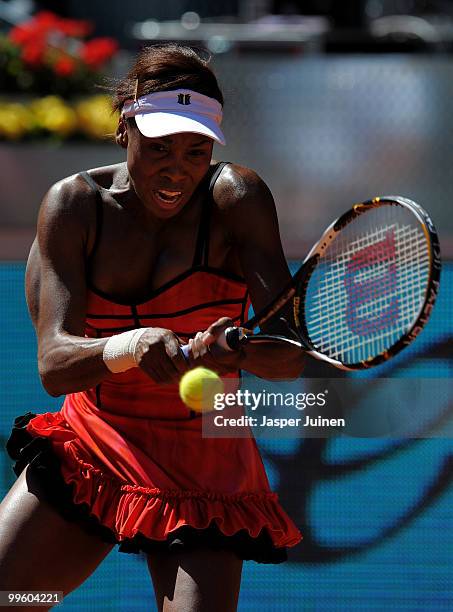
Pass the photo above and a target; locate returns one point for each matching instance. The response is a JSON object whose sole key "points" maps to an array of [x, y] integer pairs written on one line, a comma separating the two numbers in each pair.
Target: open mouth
{"points": [[168, 198]]}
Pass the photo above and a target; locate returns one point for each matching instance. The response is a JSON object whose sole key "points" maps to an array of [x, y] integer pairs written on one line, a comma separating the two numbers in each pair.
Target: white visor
{"points": [[172, 112]]}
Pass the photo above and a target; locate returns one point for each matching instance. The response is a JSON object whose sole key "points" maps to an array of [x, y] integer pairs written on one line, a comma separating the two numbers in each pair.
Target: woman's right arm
{"points": [[56, 292]]}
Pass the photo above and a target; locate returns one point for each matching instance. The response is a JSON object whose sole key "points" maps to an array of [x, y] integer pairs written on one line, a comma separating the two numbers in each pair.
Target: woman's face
{"points": [[165, 171]]}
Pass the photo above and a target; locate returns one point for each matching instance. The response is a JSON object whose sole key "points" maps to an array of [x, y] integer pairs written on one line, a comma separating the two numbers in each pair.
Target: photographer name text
{"points": [[249, 421]]}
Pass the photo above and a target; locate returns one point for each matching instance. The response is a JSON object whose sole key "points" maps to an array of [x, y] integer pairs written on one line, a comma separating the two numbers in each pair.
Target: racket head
{"points": [[368, 286]]}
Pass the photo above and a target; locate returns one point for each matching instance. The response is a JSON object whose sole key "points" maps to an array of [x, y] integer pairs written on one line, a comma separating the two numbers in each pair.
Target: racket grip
{"points": [[233, 337], [229, 341]]}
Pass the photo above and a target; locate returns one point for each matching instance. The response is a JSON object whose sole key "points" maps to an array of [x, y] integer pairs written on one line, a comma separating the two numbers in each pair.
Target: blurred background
{"points": [[331, 103]]}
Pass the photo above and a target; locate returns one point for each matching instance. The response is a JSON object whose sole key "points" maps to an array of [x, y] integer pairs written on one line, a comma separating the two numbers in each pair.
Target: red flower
{"points": [[21, 35], [37, 27], [45, 37], [33, 52], [77, 28], [45, 20], [97, 51], [44, 24], [64, 66]]}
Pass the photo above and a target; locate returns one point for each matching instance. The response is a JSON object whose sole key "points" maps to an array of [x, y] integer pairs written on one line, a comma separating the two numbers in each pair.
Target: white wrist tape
{"points": [[119, 352]]}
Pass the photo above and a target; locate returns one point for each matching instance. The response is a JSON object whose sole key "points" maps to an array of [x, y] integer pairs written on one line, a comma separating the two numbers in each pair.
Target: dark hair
{"points": [[165, 67]]}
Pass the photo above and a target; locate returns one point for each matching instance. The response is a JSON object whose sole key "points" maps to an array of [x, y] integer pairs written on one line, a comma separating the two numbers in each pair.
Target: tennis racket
{"points": [[365, 290]]}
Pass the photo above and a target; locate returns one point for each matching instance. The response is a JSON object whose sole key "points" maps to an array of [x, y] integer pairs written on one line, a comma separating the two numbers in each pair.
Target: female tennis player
{"points": [[130, 262]]}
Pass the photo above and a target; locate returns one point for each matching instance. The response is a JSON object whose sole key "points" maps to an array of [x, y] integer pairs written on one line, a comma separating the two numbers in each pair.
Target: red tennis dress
{"points": [[127, 458]]}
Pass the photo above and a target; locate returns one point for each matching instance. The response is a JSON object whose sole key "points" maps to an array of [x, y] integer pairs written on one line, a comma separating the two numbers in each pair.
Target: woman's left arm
{"points": [[248, 209]]}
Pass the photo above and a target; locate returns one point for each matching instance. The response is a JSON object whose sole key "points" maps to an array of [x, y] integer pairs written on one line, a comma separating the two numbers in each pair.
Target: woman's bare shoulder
{"points": [[110, 177], [73, 194], [239, 186]]}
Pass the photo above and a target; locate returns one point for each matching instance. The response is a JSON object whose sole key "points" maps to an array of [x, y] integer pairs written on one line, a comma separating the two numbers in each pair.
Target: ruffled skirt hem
{"points": [[127, 514]]}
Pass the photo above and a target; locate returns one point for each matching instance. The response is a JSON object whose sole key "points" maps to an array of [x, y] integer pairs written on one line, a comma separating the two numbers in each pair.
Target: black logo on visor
{"points": [[184, 99]]}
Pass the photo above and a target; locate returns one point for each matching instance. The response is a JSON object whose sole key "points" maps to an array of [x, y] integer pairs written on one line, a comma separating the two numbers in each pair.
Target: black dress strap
{"points": [[99, 217], [201, 255]]}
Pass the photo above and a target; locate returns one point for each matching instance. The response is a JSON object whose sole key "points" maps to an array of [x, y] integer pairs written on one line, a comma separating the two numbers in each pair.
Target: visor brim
{"points": [[153, 125]]}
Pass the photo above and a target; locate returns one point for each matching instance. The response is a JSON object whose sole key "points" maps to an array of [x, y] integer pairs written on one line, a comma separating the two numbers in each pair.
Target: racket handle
{"points": [[230, 340], [233, 337]]}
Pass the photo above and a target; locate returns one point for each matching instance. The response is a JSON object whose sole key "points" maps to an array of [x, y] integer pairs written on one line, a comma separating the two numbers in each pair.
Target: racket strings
{"points": [[375, 338], [328, 286], [407, 251], [369, 286], [386, 329]]}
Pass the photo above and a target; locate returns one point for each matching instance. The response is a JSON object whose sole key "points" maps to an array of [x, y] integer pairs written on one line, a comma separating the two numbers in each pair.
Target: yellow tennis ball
{"points": [[198, 388]]}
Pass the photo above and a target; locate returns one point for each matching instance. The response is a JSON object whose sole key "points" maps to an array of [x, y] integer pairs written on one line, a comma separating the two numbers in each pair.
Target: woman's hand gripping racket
{"points": [[365, 290]]}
